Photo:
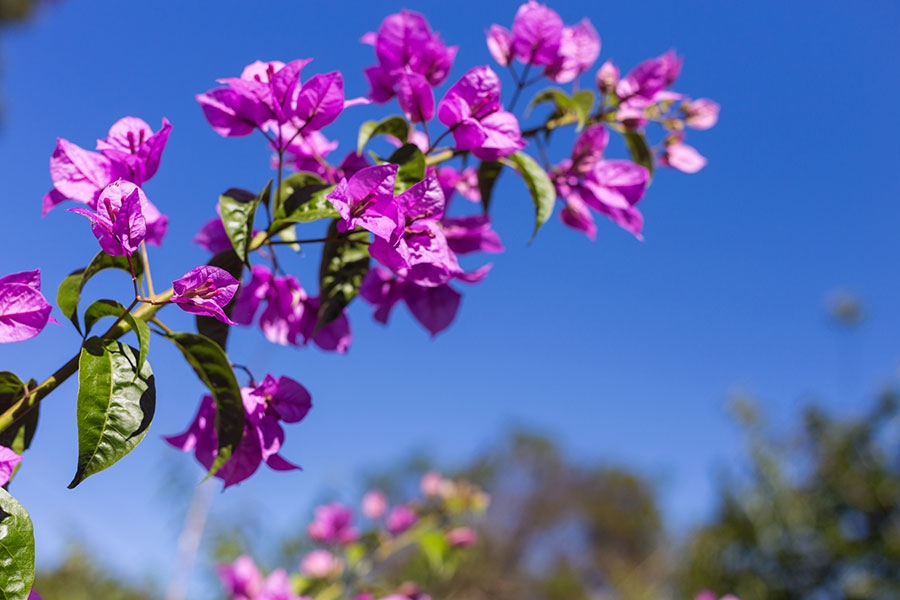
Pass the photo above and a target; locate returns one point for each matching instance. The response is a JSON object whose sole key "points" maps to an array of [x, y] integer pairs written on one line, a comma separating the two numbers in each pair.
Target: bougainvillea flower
{"points": [[607, 77], [415, 97], [261, 440], [205, 291], [700, 114], [79, 175], [471, 108], [499, 43], [8, 462], [461, 537], [374, 504], [24, 312], [319, 102], [212, 237], [650, 77], [289, 313], [118, 224], [578, 49], [367, 200], [131, 141], [289, 399], [400, 519], [404, 43], [536, 34], [320, 564], [33, 595], [433, 307], [471, 234], [611, 187], [679, 155], [306, 151], [465, 182], [241, 579], [333, 523], [231, 114]]}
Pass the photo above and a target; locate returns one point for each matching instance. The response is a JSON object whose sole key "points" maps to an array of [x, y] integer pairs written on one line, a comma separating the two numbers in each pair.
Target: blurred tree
{"points": [[79, 578], [554, 530], [818, 516]]}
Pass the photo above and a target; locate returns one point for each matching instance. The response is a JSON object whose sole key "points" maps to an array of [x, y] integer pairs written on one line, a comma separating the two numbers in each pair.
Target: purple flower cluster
{"points": [[610, 187], [265, 405], [131, 154], [413, 240], [538, 37], [270, 97], [290, 315]]}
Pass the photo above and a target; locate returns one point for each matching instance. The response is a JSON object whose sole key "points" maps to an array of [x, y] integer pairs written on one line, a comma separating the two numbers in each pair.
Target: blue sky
{"points": [[625, 351]]}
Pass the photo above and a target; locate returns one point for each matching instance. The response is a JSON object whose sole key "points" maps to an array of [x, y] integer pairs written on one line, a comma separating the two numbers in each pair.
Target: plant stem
{"points": [[146, 256], [30, 399]]}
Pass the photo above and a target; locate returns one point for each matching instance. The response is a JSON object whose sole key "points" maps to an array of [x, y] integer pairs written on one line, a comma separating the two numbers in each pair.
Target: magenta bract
{"points": [[333, 523], [23, 310], [205, 291], [8, 462], [118, 224]]}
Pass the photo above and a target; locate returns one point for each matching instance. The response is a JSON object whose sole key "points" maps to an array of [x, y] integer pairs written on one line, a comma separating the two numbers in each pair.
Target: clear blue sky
{"points": [[625, 351]]}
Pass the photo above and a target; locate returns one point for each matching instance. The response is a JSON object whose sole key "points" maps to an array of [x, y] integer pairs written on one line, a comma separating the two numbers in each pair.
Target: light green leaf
{"points": [[394, 125], [116, 401], [16, 549], [434, 546], [70, 289], [543, 194], [211, 365]]}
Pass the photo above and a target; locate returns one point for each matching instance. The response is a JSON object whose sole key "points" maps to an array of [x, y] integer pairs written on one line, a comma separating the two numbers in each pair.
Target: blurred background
{"points": [[710, 408]]}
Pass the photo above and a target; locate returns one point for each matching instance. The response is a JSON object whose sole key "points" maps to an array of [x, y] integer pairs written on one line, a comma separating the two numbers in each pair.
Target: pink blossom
{"points": [[333, 523], [8, 462], [400, 519], [24, 312], [700, 114], [374, 504], [679, 155], [205, 291], [320, 564], [462, 537]]}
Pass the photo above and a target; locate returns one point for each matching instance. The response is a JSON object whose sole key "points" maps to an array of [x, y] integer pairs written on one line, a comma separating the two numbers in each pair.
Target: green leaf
{"points": [[583, 102], [116, 401], [344, 264], [289, 234], [394, 125], [212, 328], [303, 200], [211, 365], [640, 150], [543, 194], [111, 308], [238, 211], [69, 293], [434, 546], [412, 167], [18, 436], [488, 172], [16, 549]]}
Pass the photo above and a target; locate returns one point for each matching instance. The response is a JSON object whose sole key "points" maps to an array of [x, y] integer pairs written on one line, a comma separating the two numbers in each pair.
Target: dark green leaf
{"points": [[640, 151], [18, 436], [116, 401], [412, 166], [394, 125], [238, 211], [543, 194], [69, 293], [344, 264], [488, 172], [304, 200], [16, 549], [211, 365], [111, 308], [212, 328]]}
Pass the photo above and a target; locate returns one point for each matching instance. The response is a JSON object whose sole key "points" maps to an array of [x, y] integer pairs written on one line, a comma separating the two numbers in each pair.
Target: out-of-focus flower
{"points": [[578, 50], [679, 155], [700, 114], [320, 564], [374, 504], [333, 523], [607, 77], [400, 519], [462, 537]]}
